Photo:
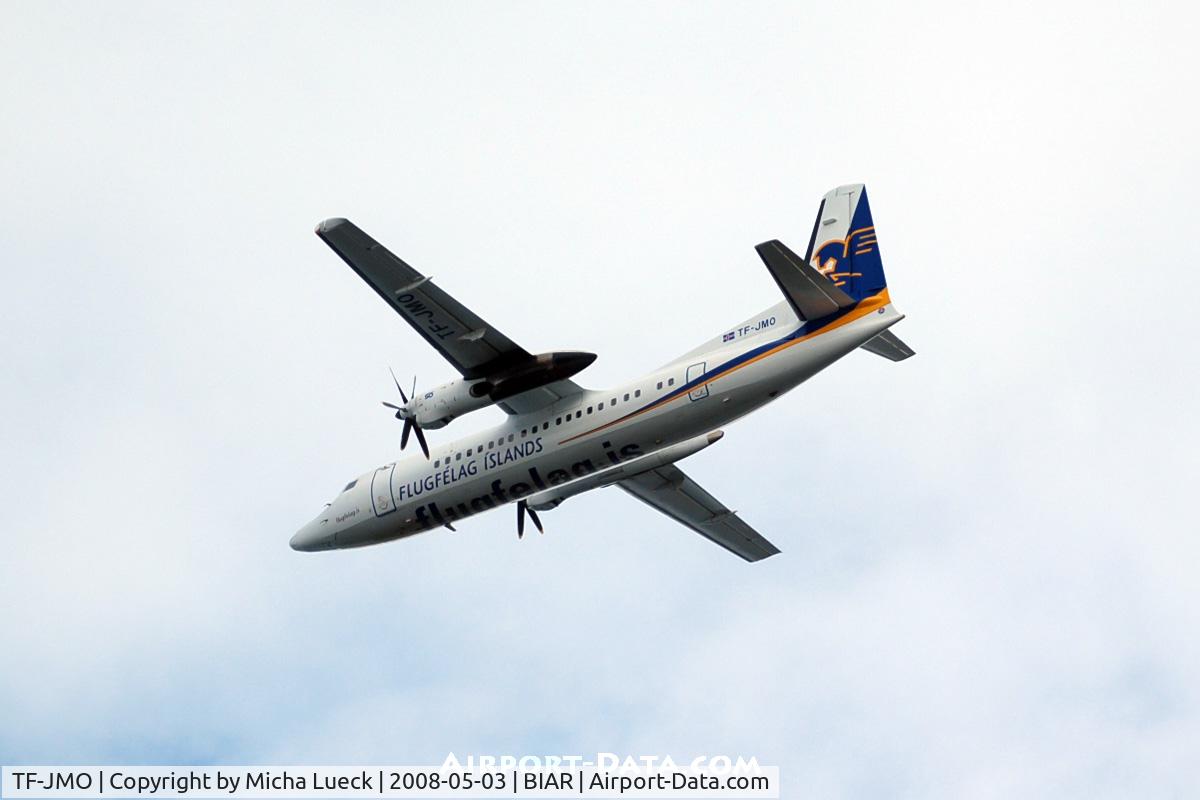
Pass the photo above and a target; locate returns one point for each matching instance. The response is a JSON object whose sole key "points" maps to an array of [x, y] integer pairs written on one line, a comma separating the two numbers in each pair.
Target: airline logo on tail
{"points": [[829, 255]]}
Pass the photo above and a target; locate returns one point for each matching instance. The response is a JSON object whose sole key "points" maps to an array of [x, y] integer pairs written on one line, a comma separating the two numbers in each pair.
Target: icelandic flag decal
{"points": [[727, 337]]}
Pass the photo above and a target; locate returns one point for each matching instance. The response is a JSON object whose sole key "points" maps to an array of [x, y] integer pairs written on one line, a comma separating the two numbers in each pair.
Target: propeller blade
{"points": [[523, 509], [420, 439], [403, 412], [533, 516], [401, 391]]}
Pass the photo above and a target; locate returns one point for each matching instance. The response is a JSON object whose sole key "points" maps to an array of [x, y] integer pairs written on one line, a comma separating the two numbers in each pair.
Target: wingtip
{"points": [[325, 226]]}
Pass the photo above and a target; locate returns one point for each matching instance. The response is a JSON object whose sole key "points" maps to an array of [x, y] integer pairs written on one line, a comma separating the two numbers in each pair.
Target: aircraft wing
{"points": [[471, 345], [673, 493]]}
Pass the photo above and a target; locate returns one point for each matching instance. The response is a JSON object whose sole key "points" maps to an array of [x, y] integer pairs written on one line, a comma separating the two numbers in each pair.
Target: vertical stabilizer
{"points": [[843, 246]]}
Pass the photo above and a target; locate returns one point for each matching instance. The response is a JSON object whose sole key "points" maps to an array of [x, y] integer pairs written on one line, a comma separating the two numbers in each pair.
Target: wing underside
{"points": [[673, 493], [464, 339], [472, 346]]}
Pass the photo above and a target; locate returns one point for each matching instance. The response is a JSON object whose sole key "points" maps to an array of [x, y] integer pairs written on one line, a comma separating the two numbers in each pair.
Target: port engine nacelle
{"points": [[436, 407]]}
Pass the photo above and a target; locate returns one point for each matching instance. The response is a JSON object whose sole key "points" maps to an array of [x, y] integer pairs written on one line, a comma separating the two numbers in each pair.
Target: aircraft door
{"points": [[693, 372], [381, 491]]}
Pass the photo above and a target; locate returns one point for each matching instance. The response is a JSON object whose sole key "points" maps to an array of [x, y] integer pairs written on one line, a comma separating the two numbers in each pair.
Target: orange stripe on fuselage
{"points": [[872, 303]]}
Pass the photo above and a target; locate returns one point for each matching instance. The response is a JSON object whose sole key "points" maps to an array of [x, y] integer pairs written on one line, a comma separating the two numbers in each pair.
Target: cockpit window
{"points": [[350, 485]]}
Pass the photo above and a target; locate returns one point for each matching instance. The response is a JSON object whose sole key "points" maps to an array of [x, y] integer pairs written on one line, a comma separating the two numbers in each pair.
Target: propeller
{"points": [[522, 509], [402, 413]]}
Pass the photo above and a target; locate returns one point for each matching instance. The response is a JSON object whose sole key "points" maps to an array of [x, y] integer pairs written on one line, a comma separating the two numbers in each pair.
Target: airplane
{"points": [[559, 439]]}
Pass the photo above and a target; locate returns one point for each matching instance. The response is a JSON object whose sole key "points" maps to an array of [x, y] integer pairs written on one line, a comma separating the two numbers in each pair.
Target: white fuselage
{"points": [[527, 457]]}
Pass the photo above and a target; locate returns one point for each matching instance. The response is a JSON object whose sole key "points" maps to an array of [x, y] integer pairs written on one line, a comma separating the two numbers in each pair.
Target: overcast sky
{"points": [[988, 585]]}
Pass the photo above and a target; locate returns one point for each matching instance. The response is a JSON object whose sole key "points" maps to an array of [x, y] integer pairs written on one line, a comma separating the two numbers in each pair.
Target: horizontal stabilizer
{"points": [[890, 346], [810, 293]]}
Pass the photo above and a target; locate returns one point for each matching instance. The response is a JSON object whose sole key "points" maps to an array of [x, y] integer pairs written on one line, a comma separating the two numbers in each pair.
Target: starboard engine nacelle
{"points": [[436, 407]]}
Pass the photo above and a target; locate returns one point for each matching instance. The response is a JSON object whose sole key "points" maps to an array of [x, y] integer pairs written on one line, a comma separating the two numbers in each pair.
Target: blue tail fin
{"points": [[843, 246]]}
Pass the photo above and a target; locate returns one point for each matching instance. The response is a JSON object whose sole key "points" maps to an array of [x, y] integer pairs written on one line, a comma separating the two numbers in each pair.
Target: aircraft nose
{"points": [[312, 537]]}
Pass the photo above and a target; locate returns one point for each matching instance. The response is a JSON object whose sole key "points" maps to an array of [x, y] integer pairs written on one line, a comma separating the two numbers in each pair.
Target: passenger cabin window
{"points": [[589, 410], [546, 426], [637, 393], [578, 414], [510, 437], [558, 421], [670, 382], [458, 456], [660, 384], [627, 397]]}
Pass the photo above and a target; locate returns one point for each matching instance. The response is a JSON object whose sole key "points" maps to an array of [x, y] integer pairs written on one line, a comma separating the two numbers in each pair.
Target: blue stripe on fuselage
{"points": [[804, 329]]}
